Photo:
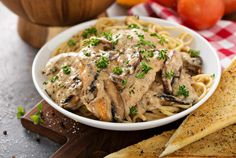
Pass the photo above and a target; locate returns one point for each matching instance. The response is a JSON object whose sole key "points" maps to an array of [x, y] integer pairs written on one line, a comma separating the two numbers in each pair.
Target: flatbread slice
{"points": [[220, 144], [216, 113]]}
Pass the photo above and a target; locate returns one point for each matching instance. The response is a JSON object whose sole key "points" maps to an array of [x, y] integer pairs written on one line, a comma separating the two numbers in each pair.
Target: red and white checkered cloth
{"points": [[222, 36]]}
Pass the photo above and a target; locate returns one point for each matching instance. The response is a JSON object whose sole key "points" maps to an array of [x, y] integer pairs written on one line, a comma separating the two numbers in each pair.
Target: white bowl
{"points": [[208, 54]]}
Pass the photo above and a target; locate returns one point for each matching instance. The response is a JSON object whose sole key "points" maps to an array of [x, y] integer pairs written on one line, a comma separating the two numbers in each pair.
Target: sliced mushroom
{"points": [[193, 65], [175, 99], [118, 110], [171, 70]]}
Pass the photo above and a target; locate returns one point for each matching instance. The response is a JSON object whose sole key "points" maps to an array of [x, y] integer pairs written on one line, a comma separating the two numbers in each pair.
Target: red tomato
{"points": [[230, 6], [167, 3], [200, 14]]}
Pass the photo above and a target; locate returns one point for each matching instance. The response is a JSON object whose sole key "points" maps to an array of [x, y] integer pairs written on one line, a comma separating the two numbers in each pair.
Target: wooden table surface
{"points": [[16, 88]]}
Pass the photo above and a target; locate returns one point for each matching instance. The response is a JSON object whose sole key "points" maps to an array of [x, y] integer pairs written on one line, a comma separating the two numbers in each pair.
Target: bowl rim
{"points": [[126, 126]]}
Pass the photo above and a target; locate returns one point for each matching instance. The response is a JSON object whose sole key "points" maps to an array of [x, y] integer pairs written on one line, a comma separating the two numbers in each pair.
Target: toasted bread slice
{"points": [[220, 144], [216, 113]]}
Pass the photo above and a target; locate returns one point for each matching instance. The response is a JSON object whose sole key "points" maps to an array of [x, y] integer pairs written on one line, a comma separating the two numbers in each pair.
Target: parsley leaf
{"points": [[117, 70], [89, 31], [93, 41], [162, 54], [66, 70], [37, 117], [169, 75], [144, 70], [71, 43], [107, 35], [133, 111], [102, 62], [54, 78], [194, 53], [124, 82], [182, 91], [20, 112], [87, 54], [162, 39], [133, 26], [129, 37]]}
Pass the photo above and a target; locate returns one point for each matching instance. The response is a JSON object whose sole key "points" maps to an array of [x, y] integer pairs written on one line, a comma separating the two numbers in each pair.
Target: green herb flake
{"points": [[20, 112], [54, 78], [145, 67], [66, 70], [140, 75], [71, 43], [169, 75], [117, 70], [114, 42], [194, 53], [89, 31], [126, 62], [133, 26], [144, 70], [145, 29], [37, 117], [102, 62], [124, 82], [107, 35], [182, 91], [133, 111], [162, 54], [162, 39], [213, 75], [87, 54], [45, 83], [129, 37], [93, 41]]}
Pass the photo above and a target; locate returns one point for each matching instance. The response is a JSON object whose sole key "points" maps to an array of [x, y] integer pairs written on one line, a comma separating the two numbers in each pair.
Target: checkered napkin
{"points": [[222, 36]]}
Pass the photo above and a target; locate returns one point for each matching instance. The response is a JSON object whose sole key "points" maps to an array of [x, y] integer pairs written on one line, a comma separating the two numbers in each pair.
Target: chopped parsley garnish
{"points": [[144, 70], [129, 37], [126, 62], [133, 26], [146, 54], [93, 41], [102, 62], [194, 53], [145, 29], [53, 70], [71, 43], [114, 42], [162, 39], [66, 70], [182, 91], [45, 83], [87, 54], [124, 82], [89, 31], [162, 54], [107, 35], [37, 117], [140, 75], [143, 42], [20, 112], [133, 111], [117, 70], [141, 37], [169, 75], [213, 75], [54, 78]]}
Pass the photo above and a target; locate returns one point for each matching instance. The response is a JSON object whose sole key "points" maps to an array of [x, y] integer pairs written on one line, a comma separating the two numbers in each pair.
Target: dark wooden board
{"points": [[81, 141]]}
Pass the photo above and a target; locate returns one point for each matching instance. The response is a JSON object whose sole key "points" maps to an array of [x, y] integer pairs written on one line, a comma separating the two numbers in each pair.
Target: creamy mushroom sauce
{"points": [[108, 77]]}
